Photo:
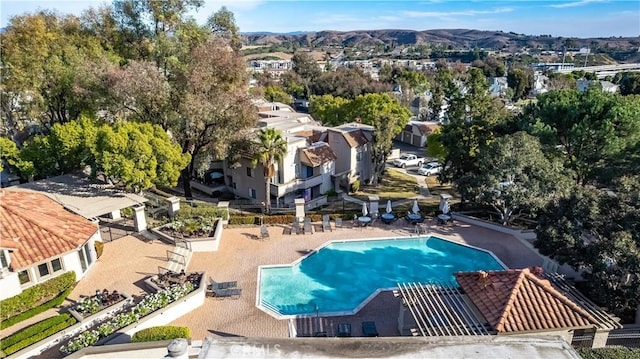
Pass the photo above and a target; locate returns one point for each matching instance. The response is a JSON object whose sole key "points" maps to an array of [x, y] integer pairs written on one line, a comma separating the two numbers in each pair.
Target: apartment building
{"points": [[351, 143]]}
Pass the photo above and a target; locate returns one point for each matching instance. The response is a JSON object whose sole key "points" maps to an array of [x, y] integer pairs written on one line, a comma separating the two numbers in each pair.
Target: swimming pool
{"points": [[342, 276]]}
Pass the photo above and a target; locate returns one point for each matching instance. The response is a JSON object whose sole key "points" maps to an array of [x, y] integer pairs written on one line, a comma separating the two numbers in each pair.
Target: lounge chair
{"points": [[344, 330], [338, 223], [325, 223], [369, 329], [226, 293], [295, 228], [264, 232], [222, 285], [308, 228]]}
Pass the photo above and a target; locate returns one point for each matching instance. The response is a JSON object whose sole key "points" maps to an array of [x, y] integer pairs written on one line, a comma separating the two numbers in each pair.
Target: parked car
{"points": [[408, 160], [430, 169]]}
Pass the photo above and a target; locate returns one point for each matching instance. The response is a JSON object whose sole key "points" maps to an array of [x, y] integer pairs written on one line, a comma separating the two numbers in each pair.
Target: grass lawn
{"points": [[394, 185]]}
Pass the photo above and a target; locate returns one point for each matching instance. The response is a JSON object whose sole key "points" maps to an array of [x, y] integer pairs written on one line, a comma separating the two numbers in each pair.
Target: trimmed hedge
{"points": [[155, 334], [36, 295], [35, 311], [609, 353], [99, 248], [36, 333]]}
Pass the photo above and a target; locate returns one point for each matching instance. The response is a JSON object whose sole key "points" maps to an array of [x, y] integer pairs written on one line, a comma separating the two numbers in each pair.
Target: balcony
{"points": [[280, 189]]}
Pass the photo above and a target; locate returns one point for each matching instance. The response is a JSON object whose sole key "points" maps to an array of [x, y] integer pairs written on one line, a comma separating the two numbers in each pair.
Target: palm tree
{"points": [[271, 148]]}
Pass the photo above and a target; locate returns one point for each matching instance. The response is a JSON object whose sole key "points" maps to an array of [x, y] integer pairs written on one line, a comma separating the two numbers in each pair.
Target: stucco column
{"points": [[139, 219], [174, 206], [299, 208], [600, 339], [373, 206], [116, 214]]}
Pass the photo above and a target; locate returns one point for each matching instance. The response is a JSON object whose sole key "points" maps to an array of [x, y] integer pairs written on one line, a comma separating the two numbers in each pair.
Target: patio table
{"points": [[444, 218], [415, 218], [364, 220], [387, 217]]}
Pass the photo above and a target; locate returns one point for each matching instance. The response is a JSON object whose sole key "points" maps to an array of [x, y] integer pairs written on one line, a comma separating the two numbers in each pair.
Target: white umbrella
{"points": [[364, 209], [415, 209], [389, 206], [444, 207]]}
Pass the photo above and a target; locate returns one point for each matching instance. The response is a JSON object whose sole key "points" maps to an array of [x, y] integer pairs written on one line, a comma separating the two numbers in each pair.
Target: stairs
{"points": [[178, 259]]}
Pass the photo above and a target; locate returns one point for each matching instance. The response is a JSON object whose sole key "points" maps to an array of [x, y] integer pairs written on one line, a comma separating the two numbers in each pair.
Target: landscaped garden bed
{"points": [[35, 333], [89, 306], [127, 316], [169, 279]]}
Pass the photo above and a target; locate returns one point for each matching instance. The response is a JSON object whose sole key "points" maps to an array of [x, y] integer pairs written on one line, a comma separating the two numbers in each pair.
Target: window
{"points": [[359, 155], [4, 263], [43, 269], [56, 265], [83, 261], [23, 276], [249, 171], [252, 193]]}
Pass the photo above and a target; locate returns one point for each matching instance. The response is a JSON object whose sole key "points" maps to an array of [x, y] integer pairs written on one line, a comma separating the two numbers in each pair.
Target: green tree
{"points": [[434, 145], [469, 123], [514, 177], [591, 129], [139, 155], [521, 81], [271, 149], [597, 232], [10, 154], [67, 147], [388, 117], [277, 94], [307, 69], [223, 23], [330, 110], [629, 82]]}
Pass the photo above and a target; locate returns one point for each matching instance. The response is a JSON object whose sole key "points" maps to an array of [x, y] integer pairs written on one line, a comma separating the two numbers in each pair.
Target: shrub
{"points": [[36, 333], [155, 334], [35, 311], [609, 353], [355, 186], [127, 212], [36, 295], [99, 248]]}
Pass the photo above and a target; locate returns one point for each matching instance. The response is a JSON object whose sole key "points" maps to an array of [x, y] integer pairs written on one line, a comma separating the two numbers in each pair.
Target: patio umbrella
{"points": [[389, 206], [364, 209], [444, 207], [416, 208]]}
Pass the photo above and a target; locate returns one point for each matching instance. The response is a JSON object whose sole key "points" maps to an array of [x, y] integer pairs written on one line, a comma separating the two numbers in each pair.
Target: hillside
{"points": [[453, 39]]}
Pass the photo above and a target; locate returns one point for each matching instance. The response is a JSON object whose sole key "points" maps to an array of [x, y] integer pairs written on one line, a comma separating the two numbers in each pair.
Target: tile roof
{"points": [[355, 138], [39, 228], [517, 300], [317, 155]]}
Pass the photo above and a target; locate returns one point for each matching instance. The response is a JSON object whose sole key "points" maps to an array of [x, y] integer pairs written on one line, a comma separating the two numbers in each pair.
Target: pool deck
{"points": [[127, 261]]}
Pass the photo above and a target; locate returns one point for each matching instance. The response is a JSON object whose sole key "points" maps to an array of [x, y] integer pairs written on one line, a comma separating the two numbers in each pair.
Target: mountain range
{"points": [[448, 38]]}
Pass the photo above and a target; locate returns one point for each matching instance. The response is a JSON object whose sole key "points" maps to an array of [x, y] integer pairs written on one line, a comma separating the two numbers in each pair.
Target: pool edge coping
{"points": [[366, 301]]}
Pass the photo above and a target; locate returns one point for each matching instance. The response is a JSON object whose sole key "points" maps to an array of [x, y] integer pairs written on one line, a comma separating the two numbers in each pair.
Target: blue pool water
{"points": [[340, 276]]}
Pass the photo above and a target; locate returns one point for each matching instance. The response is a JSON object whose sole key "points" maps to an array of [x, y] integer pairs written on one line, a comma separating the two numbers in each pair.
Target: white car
{"points": [[430, 169]]}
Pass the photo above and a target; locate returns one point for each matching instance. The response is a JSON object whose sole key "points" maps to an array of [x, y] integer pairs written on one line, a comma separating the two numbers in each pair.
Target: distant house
{"points": [[498, 86], [539, 84], [415, 133], [607, 86], [40, 239]]}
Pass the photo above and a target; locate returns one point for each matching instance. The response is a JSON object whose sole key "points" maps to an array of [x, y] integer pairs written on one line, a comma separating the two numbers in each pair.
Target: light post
{"points": [[263, 208]]}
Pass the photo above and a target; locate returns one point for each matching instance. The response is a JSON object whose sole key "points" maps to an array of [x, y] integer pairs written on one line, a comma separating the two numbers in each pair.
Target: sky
{"points": [[567, 18]]}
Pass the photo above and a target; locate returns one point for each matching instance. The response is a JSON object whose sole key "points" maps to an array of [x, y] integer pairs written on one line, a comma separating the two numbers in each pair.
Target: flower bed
{"points": [[190, 228], [90, 305], [127, 316]]}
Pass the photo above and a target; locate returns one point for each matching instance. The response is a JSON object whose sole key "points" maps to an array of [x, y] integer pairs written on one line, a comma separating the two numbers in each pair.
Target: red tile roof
{"points": [[517, 300], [39, 228]]}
